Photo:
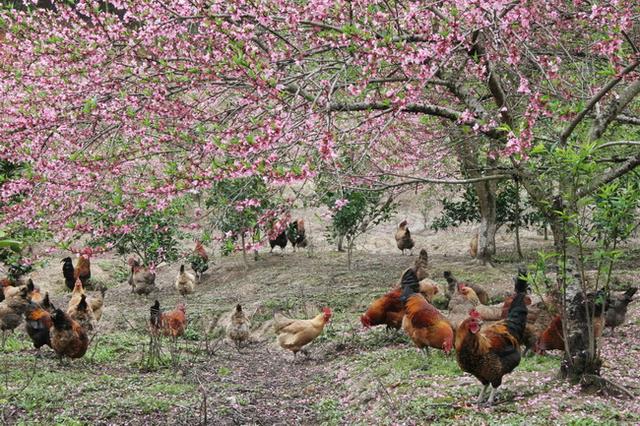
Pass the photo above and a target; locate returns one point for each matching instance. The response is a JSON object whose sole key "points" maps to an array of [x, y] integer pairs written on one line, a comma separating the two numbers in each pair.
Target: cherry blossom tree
{"points": [[154, 100]]}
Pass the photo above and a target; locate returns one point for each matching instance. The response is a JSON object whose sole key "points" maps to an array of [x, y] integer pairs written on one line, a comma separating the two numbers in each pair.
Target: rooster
{"points": [[68, 338], [238, 328], [403, 238], [171, 323], [389, 309], [294, 334], [490, 352], [199, 260], [185, 282], [280, 241], [141, 279], [423, 323], [296, 234], [452, 284]]}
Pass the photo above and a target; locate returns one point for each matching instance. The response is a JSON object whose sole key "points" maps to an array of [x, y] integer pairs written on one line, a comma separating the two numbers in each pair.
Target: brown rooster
{"points": [[389, 309], [423, 323], [490, 352], [38, 321], [171, 323], [403, 238]]}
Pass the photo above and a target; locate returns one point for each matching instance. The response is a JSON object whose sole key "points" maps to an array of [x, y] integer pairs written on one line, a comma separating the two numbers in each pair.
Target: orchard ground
{"points": [[352, 377]]}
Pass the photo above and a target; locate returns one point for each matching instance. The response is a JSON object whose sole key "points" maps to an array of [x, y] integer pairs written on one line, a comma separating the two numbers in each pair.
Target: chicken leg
{"points": [[491, 396], [481, 396]]}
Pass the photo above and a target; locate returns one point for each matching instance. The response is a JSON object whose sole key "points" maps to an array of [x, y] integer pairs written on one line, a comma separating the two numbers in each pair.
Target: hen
{"points": [[11, 310], [199, 260], [552, 338], [238, 328], [185, 282], [141, 279], [68, 272], [294, 334], [68, 338], [452, 284], [171, 323], [296, 234], [423, 323], [38, 322], [403, 238], [617, 308], [490, 352], [82, 313], [83, 267]]}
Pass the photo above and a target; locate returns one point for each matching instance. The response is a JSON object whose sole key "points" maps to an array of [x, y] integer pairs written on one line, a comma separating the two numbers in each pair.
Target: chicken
{"points": [[82, 313], [389, 309], [68, 272], [81, 271], [552, 337], [296, 234], [141, 279], [199, 260], [38, 322], [473, 245], [617, 308], [238, 328], [9, 289], [171, 323], [294, 334], [185, 282], [452, 284], [68, 338], [280, 241], [97, 303], [11, 310], [421, 266], [490, 352], [403, 238]]}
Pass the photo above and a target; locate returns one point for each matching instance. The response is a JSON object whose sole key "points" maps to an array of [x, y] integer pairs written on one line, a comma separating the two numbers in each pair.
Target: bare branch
{"points": [[594, 100], [627, 119], [611, 175], [618, 143], [615, 107]]}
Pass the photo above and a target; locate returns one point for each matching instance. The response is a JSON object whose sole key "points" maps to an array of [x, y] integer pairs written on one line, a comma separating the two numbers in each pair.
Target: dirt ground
{"points": [[352, 376]]}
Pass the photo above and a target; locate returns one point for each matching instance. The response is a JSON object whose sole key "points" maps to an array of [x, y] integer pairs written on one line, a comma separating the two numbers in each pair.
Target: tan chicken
{"points": [[185, 282], [239, 327], [141, 279], [294, 334], [82, 313], [403, 238], [11, 311]]}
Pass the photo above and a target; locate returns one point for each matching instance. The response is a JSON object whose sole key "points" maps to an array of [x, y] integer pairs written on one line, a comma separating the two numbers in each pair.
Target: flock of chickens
{"points": [[487, 338]]}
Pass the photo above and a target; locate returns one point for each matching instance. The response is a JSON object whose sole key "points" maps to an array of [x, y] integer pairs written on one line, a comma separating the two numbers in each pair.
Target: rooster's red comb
{"points": [[474, 314]]}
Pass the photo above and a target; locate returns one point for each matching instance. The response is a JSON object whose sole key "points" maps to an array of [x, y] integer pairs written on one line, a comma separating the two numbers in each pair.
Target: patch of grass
{"points": [[329, 412], [407, 362], [539, 363]]}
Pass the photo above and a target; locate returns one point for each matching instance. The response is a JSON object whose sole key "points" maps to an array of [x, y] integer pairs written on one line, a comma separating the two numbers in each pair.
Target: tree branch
{"points": [[594, 100], [615, 107], [611, 175]]}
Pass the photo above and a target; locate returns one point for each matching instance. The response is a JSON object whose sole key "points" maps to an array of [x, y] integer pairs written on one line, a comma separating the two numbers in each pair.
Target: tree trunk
{"points": [[244, 252], [486, 192], [581, 359], [349, 253], [340, 242]]}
